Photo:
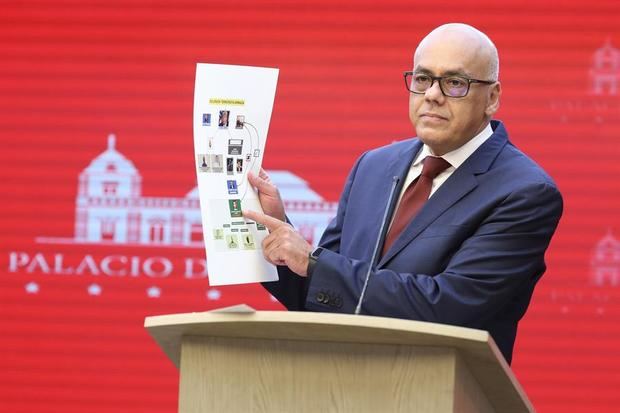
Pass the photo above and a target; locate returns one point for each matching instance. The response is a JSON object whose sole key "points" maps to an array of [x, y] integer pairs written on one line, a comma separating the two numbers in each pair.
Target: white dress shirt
{"points": [[455, 158]]}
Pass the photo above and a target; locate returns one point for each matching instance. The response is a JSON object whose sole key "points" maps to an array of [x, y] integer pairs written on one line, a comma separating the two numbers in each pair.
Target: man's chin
{"points": [[430, 136], [434, 141]]}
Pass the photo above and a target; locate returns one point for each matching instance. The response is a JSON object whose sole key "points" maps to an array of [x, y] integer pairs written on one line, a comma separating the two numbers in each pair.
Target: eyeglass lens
{"points": [[451, 86]]}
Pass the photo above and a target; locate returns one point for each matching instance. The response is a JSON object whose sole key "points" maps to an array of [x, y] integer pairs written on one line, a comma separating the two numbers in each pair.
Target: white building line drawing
{"points": [[606, 262], [605, 71], [110, 208], [599, 102]]}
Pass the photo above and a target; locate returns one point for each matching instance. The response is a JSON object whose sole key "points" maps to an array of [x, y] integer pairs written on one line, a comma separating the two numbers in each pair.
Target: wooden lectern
{"points": [[276, 361]]}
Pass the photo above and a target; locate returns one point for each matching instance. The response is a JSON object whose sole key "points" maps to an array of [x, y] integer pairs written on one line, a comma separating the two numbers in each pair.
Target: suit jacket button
{"points": [[320, 297]]}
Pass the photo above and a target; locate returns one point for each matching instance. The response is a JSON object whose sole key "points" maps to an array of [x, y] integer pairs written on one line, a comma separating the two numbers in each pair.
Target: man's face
{"points": [[446, 123]]}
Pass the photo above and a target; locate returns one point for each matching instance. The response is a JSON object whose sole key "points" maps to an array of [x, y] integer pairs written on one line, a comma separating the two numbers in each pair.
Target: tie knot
{"points": [[433, 166]]}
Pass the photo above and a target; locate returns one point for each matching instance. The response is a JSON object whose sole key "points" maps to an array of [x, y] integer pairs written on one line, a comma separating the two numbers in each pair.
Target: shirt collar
{"points": [[459, 155]]}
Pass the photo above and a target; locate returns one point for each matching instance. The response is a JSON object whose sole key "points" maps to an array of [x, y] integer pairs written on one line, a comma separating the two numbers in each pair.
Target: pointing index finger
{"points": [[270, 222]]}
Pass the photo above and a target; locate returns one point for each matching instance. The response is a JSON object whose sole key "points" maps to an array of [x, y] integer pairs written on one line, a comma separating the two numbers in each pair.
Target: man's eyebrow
{"points": [[456, 73], [422, 69]]}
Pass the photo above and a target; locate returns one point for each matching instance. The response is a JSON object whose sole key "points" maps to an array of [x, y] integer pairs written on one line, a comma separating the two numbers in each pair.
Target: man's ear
{"points": [[495, 91]]}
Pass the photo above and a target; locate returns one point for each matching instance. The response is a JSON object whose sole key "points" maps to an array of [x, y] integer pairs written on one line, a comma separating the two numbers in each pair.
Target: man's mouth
{"points": [[432, 116]]}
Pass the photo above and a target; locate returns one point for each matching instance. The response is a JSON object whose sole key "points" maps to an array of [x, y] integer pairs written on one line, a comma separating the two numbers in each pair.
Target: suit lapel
{"points": [[398, 165], [462, 181]]}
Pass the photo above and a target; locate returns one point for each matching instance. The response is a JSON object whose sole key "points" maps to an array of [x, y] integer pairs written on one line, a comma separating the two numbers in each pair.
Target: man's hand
{"points": [[284, 245], [268, 195]]}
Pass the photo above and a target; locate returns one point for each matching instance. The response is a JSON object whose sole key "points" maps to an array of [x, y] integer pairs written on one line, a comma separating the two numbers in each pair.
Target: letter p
{"points": [[17, 260]]}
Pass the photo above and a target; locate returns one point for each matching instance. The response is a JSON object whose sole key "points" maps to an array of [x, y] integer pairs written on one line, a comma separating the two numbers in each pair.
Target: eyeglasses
{"points": [[451, 86]]}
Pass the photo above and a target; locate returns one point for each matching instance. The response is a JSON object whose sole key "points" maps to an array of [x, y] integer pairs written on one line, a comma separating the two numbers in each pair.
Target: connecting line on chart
{"points": [[247, 168], [252, 149], [251, 138]]}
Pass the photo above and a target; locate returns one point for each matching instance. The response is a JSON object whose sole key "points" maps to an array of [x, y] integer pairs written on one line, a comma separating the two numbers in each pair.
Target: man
{"points": [[223, 121], [471, 254]]}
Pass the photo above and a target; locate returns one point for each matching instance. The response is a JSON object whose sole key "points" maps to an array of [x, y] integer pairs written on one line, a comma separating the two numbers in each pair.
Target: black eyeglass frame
{"points": [[439, 78]]}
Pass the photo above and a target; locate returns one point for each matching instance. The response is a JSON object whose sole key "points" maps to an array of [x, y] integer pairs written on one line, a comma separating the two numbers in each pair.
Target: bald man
{"points": [[471, 223]]}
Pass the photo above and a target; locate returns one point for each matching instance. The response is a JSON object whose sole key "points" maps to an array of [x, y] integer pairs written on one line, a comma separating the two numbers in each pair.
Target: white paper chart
{"points": [[232, 110]]}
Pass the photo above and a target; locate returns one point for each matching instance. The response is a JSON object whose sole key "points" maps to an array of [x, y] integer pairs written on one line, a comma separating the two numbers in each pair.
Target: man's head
{"points": [[446, 123]]}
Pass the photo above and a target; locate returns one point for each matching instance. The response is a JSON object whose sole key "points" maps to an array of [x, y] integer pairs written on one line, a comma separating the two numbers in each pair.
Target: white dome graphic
{"points": [[110, 175], [111, 161], [193, 194]]}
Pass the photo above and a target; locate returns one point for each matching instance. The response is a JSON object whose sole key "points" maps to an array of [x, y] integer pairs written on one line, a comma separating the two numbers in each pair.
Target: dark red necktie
{"points": [[415, 196]]}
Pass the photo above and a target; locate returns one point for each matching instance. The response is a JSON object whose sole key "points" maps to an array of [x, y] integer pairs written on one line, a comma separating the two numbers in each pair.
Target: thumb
{"points": [[261, 184], [263, 174]]}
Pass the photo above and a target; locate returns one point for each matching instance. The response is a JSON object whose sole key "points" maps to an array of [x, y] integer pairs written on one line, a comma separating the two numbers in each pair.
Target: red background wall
{"points": [[73, 71]]}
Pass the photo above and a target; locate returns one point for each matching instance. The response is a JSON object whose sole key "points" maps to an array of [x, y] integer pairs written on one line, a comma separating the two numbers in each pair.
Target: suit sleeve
{"points": [[291, 290], [503, 257]]}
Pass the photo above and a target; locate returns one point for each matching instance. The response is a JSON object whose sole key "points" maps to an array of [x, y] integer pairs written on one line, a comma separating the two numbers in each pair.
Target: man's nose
{"points": [[434, 92]]}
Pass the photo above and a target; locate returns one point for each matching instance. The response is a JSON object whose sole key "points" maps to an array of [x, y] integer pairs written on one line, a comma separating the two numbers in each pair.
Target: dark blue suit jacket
{"points": [[471, 257]]}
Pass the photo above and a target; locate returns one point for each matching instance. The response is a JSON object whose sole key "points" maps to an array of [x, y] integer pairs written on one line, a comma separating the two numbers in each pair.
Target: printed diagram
{"points": [[232, 110], [233, 147], [239, 148]]}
